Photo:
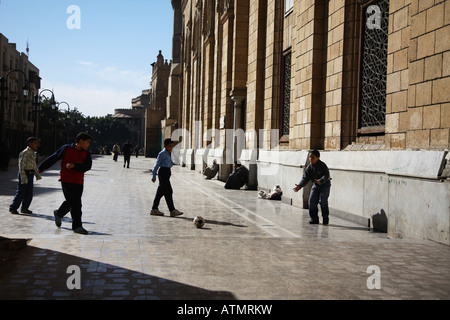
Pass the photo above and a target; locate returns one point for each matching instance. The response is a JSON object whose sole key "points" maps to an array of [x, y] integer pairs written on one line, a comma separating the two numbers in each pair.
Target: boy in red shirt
{"points": [[75, 161]]}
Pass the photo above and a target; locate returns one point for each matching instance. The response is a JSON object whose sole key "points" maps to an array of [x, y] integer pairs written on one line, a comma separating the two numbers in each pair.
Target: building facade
{"points": [[367, 82], [156, 112], [134, 119], [19, 116]]}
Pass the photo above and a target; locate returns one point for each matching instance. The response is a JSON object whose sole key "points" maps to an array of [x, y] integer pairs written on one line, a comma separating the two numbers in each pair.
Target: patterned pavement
{"points": [[249, 249]]}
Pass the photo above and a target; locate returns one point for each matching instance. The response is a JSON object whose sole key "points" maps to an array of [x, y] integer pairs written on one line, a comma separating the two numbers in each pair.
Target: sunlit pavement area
{"points": [[249, 248]]}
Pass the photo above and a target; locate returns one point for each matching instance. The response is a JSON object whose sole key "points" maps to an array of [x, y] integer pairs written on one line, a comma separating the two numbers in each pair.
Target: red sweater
{"points": [[69, 154], [72, 155]]}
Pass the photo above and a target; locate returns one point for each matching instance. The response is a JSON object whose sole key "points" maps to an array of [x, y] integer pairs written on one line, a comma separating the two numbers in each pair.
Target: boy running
{"points": [[75, 161]]}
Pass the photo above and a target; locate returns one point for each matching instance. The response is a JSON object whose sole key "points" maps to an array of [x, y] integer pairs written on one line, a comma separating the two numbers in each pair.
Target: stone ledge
{"points": [[420, 164]]}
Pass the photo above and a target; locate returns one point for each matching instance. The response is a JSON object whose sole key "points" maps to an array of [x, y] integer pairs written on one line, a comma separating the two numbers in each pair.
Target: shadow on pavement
{"points": [[36, 273], [208, 221], [50, 218]]}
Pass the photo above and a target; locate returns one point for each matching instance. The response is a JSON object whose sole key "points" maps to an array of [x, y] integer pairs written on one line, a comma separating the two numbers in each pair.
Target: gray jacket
{"points": [[318, 171]]}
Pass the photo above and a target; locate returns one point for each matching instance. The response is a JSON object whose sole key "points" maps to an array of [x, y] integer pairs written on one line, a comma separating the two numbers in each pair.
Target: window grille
{"points": [[286, 95], [373, 68]]}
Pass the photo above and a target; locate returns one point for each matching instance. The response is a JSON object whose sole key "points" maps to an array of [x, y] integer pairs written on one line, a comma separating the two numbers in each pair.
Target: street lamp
{"points": [[68, 119], [4, 97], [38, 108], [55, 109]]}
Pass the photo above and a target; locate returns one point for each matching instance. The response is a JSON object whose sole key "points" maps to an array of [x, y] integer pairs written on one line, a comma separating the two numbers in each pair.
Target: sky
{"points": [[96, 55]]}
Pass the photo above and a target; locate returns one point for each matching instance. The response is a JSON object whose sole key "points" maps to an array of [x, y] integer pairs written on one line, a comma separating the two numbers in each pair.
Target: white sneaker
{"points": [[156, 212], [175, 213]]}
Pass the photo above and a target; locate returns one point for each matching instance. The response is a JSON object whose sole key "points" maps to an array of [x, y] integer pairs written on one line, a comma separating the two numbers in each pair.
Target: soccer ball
{"points": [[199, 222]]}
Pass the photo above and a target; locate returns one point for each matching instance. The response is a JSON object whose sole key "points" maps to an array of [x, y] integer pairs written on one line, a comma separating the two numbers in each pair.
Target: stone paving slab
{"points": [[249, 249]]}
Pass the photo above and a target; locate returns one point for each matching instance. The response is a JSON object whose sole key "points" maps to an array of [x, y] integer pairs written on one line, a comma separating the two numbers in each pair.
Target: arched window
{"points": [[373, 66]]}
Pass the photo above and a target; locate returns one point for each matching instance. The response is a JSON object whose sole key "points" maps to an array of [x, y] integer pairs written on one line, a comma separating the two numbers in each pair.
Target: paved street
{"points": [[249, 249]]}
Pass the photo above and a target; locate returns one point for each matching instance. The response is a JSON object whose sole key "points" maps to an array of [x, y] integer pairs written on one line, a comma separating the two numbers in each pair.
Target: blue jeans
{"points": [[24, 194], [319, 195]]}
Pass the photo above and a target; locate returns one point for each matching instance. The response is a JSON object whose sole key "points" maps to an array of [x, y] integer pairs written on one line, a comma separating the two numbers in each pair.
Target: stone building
{"points": [[18, 116], [367, 82], [134, 119], [155, 114]]}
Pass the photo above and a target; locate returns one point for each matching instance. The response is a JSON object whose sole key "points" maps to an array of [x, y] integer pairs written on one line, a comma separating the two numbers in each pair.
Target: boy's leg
{"points": [[166, 187], [313, 203], [28, 195], [168, 192], [324, 194], [73, 193], [158, 196], [18, 197], [65, 206], [75, 208]]}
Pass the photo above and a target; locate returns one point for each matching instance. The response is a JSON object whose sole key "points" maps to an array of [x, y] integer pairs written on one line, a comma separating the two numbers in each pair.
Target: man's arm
{"points": [[23, 175], [306, 177], [86, 165], [50, 161], [326, 175], [156, 167]]}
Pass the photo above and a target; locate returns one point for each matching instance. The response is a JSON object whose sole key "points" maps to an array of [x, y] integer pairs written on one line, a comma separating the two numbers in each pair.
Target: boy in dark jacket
{"points": [[75, 161], [318, 173]]}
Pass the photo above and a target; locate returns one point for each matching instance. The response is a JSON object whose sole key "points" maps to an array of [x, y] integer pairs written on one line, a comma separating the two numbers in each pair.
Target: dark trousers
{"points": [[126, 160], [164, 189], [72, 194], [24, 194], [116, 156], [319, 195]]}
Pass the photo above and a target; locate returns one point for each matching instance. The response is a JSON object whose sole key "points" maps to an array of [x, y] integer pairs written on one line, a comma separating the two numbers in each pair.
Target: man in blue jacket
{"points": [[318, 173], [164, 163]]}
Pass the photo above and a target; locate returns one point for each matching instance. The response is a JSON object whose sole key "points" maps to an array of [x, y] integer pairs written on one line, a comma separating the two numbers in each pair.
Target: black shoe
{"points": [[325, 221], [26, 211], [313, 221], [13, 211], [57, 219], [81, 230]]}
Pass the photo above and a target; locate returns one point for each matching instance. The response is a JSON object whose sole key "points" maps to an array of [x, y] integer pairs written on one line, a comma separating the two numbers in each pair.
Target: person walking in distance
{"points": [[127, 150], [164, 163], [116, 152], [318, 173], [75, 162], [27, 171]]}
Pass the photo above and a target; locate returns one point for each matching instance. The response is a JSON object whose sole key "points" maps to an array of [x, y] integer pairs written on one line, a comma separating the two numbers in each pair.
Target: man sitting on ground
{"points": [[238, 178], [212, 171]]}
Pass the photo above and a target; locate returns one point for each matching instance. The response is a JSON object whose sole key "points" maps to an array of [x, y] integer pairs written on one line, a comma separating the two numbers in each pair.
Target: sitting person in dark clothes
{"points": [[210, 172], [238, 178]]}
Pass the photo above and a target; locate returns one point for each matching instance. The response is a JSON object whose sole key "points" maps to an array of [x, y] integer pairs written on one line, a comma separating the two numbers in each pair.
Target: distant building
{"points": [[157, 110], [19, 118], [134, 119]]}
